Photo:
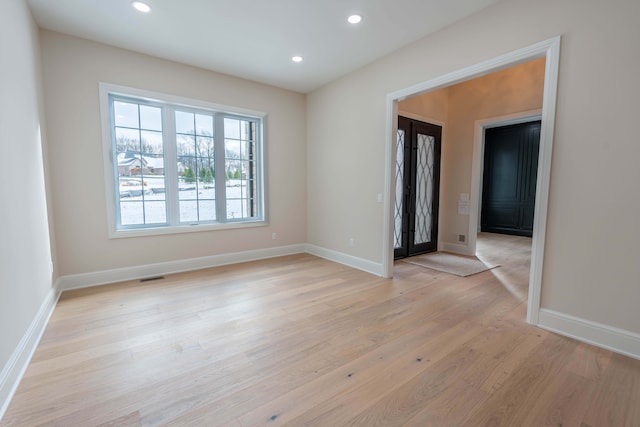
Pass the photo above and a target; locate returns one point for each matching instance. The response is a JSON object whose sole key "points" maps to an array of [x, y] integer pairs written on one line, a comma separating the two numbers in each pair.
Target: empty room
{"points": [[333, 213]]}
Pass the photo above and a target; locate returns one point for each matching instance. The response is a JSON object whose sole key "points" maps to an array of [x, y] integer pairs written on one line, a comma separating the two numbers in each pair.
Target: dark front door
{"points": [[417, 187], [509, 178]]}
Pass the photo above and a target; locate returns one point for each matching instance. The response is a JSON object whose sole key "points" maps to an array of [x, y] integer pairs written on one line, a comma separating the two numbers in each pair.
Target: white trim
{"points": [[389, 190], [549, 49], [604, 336], [85, 280], [345, 259], [148, 95], [188, 228], [16, 366], [456, 248], [477, 165], [544, 177]]}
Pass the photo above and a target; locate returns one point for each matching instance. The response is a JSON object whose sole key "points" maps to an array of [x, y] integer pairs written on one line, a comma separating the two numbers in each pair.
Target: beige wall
{"points": [[590, 265], [25, 252], [429, 106], [72, 69]]}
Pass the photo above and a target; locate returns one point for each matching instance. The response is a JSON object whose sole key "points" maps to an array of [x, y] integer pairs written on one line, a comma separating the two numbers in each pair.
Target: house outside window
{"points": [[176, 165]]}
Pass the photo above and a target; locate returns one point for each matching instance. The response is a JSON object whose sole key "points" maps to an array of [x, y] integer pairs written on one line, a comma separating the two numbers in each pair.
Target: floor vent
{"points": [[149, 279]]}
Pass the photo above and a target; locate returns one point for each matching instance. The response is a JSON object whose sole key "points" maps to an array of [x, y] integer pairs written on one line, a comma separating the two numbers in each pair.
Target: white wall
{"points": [[72, 69], [590, 265], [25, 252]]}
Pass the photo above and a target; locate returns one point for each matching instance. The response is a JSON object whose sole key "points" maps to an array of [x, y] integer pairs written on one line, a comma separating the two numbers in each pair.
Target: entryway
{"points": [[509, 178], [467, 204], [418, 150]]}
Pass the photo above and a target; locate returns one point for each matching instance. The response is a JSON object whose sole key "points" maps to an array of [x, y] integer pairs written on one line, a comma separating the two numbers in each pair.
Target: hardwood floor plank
{"points": [[299, 340], [366, 393], [511, 402], [450, 407], [563, 402], [617, 400], [400, 404]]}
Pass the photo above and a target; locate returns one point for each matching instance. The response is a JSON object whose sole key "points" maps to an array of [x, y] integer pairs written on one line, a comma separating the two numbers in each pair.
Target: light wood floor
{"points": [[302, 341]]}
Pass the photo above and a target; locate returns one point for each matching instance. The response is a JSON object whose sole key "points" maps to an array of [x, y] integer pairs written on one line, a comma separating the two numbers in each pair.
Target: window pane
{"points": [[140, 164], [247, 130], [232, 149], [196, 174], [153, 184], [188, 211], [131, 213], [187, 189], [130, 186], [151, 142], [205, 147], [186, 145], [234, 209], [232, 128], [204, 125], [155, 212], [185, 122], [150, 118], [127, 140], [240, 169], [207, 210], [126, 114]]}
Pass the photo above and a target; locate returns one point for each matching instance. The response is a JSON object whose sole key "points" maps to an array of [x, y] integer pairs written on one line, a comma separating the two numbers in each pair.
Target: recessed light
{"points": [[354, 19], [141, 7], [296, 58]]}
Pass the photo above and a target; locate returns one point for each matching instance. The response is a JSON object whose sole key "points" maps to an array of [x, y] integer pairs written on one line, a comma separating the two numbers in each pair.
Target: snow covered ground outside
{"points": [[197, 200]]}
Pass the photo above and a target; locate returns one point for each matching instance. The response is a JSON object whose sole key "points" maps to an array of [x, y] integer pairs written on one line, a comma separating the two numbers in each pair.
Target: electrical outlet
{"points": [[352, 242], [273, 236]]}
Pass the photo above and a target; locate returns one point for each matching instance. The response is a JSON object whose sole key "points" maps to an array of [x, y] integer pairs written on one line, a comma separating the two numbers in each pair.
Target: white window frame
{"points": [[107, 89]]}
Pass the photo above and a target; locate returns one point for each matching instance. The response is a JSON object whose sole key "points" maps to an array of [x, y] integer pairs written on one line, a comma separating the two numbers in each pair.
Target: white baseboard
{"points": [[614, 339], [348, 260], [85, 280], [456, 248], [17, 364]]}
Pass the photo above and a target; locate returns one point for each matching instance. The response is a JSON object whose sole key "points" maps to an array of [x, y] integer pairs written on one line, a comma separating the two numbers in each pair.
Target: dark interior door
{"points": [[509, 178], [418, 148]]}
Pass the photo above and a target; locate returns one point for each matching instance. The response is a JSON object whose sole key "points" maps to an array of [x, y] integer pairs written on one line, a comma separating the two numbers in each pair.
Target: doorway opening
{"points": [[549, 50]]}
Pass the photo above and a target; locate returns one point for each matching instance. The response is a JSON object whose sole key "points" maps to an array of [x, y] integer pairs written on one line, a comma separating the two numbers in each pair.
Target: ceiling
{"points": [[255, 39]]}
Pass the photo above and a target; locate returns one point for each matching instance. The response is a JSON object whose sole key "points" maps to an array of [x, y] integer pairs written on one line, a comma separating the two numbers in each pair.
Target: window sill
{"points": [[179, 229]]}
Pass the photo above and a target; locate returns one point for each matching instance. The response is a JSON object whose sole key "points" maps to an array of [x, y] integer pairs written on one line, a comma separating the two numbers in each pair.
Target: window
{"points": [[173, 164]]}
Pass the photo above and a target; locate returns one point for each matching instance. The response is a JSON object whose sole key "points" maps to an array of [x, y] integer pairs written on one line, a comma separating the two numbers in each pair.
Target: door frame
{"points": [[549, 49]]}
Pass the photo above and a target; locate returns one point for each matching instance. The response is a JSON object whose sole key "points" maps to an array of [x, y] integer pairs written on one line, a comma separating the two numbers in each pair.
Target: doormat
{"points": [[459, 265]]}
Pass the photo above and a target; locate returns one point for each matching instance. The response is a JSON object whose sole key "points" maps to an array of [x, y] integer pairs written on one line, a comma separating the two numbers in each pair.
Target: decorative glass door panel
{"points": [[398, 205], [424, 188], [417, 187]]}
